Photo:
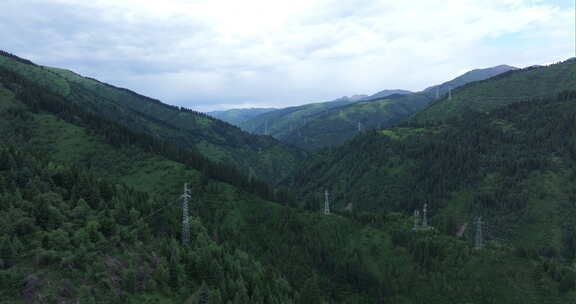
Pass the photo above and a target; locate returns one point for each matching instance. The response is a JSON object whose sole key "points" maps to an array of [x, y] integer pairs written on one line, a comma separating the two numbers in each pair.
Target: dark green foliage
{"points": [[504, 89], [89, 213], [213, 139], [71, 243], [514, 166], [115, 134]]}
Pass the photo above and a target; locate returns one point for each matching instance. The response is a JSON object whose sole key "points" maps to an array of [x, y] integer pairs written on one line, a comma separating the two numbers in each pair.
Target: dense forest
{"points": [[90, 212], [513, 166], [261, 156]]}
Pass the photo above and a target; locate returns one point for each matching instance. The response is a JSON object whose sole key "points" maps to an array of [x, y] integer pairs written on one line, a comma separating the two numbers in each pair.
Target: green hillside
{"points": [[471, 76], [237, 116], [335, 126], [260, 155], [280, 122], [502, 90], [89, 213], [513, 166]]}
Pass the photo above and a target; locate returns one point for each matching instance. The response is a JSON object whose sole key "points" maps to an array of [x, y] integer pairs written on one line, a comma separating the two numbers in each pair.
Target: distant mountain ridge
{"points": [[386, 93], [237, 116], [336, 125], [473, 75], [284, 120], [511, 86]]}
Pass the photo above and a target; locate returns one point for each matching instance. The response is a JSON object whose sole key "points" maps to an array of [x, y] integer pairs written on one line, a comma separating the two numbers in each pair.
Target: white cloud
{"points": [[210, 52]]}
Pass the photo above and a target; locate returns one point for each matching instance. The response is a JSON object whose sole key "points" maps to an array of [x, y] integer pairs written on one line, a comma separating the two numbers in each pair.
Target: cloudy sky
{"points": [[215, 54]]}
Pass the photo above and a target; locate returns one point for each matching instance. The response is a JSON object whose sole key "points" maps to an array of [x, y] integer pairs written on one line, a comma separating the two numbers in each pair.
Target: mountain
{"points": [[236, 116], [262, 156], [80, 203], [471, 76], [386, 93], [509, 160], [506, 88], [90, 212], [335, 126], [282, 121], [513, 167]]}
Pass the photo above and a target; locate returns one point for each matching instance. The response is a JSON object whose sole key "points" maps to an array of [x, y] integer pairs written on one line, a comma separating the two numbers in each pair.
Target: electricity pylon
{"points": [[416, 220], [326, 203], [478, 239], [185, 217], [425, 216]]}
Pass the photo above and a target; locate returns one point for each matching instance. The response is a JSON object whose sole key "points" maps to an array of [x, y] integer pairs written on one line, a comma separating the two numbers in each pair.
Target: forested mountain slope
{"points": [[337, 125], [513, 166], [89, 213], [468, 77], [262, 156], [512, 86], [237, 116], [385, 93], [282, 121]]}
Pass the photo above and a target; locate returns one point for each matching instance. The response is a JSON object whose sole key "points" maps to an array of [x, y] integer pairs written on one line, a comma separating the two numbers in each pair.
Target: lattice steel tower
{"points": [[416, 220], [185, 217], [479, 238], [326, 203], [425, 216]]}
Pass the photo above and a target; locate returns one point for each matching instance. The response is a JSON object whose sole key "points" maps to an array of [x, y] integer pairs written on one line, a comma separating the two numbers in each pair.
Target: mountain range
{"points": [[333, 123], [237, 116]]}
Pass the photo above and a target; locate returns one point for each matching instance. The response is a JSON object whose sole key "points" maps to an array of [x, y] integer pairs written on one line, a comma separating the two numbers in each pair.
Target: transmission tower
{"points": [[425, 216], [266, 127], [185, 218], [449, 93], [416, 220], [478, 239], [359, 127], [326, 203], [437, 93]]}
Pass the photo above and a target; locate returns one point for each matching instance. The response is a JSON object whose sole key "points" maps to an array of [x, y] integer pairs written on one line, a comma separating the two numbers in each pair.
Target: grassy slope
{"points": [[215, 139], [499, 91]]}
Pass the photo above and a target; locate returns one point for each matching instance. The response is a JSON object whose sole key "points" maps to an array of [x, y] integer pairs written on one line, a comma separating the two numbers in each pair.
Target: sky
{"points": [[220, 54]]}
